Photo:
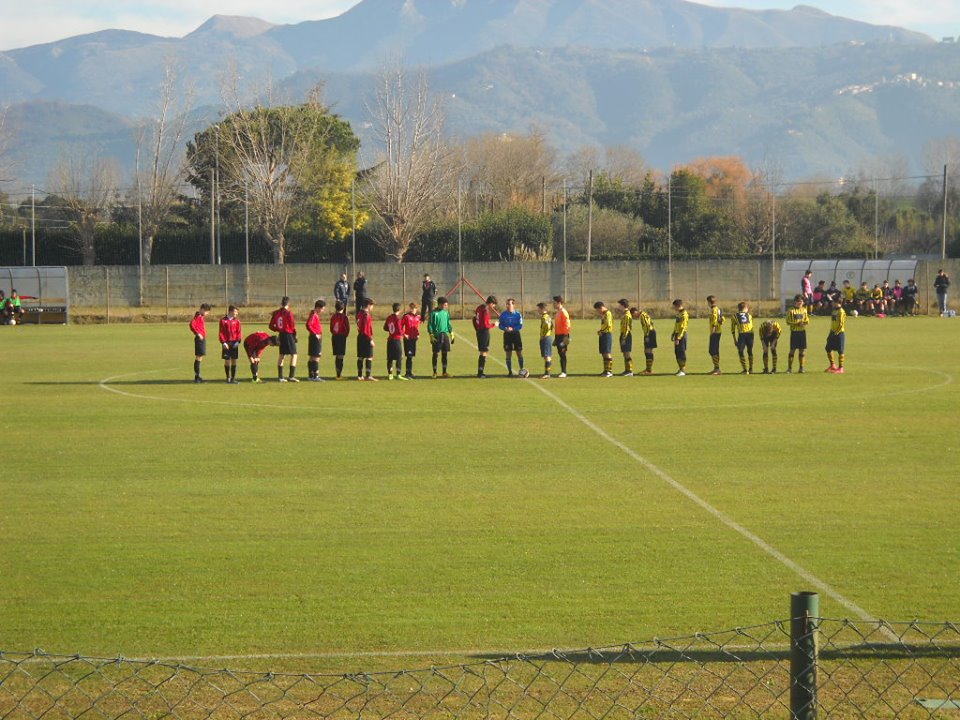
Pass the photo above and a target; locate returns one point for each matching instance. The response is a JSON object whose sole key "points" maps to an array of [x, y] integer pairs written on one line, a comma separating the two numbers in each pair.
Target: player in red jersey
{"points": [[282, 322], [230, 336], [482, 323], [315, 341], [365, 342], [410, 327], [339, 330], [199, 329], [394, 328], [254, 345]]}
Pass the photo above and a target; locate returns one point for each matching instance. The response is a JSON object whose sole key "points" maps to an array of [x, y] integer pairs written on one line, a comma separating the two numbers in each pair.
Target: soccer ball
{"points": [[524, 373], [854, 313]]}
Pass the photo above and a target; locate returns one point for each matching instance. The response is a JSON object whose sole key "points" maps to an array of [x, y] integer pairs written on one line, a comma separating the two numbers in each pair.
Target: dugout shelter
{"points": [[44, 292], [856, 271]]}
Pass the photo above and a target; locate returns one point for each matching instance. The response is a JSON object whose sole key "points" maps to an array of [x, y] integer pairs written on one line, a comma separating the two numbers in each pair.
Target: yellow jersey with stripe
{"points": [[546, 325], [849, 292], [770, 330], [646, 322], [606, 322], [798, 318], [680, 323], [716, 320], [742, 323], [838, 321], [626, 325]]}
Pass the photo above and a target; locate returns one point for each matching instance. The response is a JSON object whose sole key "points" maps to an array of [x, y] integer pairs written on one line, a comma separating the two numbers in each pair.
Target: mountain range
{"points": [[673, 79]]}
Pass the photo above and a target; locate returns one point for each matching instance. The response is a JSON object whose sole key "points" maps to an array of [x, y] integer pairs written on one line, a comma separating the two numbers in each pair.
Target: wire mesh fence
{"points": [[863, 669]]}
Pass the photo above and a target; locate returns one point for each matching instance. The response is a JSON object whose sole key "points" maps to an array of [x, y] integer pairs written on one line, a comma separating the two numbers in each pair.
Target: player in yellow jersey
{"points": [[681, 320], [626, 336], [716, 325], [605, 336], [649, 338], [769, 338], [797, 320], [836, 340], [546, 339], [742, 329]]}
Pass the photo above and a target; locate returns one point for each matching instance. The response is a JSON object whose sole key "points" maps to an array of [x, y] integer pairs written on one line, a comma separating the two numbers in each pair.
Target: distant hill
{"points": [[673, 79]]}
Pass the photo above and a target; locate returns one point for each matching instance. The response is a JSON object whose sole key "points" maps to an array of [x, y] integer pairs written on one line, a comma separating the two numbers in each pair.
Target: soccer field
{"points": [[347, 523]]}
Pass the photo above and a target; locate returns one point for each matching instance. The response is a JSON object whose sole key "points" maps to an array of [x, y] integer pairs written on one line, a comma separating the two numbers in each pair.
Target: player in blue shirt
{"points": [[511, 323]]}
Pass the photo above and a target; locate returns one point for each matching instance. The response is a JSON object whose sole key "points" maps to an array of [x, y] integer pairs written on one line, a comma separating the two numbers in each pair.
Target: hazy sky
{"points": [[40, 21]]}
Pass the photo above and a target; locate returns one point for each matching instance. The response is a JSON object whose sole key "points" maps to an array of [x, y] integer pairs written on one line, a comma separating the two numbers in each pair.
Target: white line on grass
{"points": [[801, 571]]}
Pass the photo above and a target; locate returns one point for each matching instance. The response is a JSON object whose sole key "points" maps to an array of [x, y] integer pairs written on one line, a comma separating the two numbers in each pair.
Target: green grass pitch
{"points": [[147, 516]]}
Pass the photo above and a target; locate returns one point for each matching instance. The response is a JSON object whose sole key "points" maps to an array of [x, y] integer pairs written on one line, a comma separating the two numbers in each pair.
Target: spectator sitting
{"points": [[863, 299], [876, 297], [849, 297], [910, 298], [898, 297]]}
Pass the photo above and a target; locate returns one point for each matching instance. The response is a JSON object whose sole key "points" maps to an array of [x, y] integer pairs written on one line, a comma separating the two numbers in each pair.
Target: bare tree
{"points": [[160, 159], [508, 170], [413, 174], [87, 190]]}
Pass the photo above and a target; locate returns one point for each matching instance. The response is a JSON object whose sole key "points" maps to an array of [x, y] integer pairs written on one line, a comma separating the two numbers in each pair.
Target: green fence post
{"points": [[804, 622]]}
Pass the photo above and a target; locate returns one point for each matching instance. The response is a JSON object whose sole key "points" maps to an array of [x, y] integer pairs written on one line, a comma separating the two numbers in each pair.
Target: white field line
{"points": [[766, 547]]}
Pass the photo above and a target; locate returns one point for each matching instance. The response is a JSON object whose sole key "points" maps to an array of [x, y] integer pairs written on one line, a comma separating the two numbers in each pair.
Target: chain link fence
{"points": [[861, 669]]}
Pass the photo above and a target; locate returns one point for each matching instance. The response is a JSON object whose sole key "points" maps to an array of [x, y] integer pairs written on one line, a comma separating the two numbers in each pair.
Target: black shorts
{"points": [[314, 346], [714, 344], [650, 340], [230, 353], [512, 341], [339, 345], [561, 342], [798, 340], [605, 343], [483, 340], [410, 347], [199, 346], [745, 342], [441, 343], [626, 344], [770, 343], [364, 347], [394, 349], [288, 344], [680, 349], [836, 343]]}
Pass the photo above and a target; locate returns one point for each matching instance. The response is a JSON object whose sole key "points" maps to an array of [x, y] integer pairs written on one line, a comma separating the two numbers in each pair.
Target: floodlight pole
{"points": [[943, 242], [590, 216], [33, 225], [670, 235], [564, 239], [460, 250], [353, 212]]}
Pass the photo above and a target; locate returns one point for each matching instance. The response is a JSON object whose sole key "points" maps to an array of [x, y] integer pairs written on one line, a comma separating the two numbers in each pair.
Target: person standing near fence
{"points": [[231, 334], [428, 293], [341, 290], [806, 289], [681, 321], [561, 332], [283, 323], [940, 285], [360, 291], [315, 341], [199, 329]]}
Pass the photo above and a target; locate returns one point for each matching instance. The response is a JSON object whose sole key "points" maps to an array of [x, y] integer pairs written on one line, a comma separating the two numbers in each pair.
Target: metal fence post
{"points": [[106, 282], [804, 623]]}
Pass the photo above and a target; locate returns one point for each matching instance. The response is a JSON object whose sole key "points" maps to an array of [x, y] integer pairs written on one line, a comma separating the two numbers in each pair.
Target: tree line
{"points": [[294, 178]]}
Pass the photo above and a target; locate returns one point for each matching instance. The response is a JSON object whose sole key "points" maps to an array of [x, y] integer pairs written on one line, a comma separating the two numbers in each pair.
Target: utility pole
{"points": [[590, 216], [943, 242]]}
